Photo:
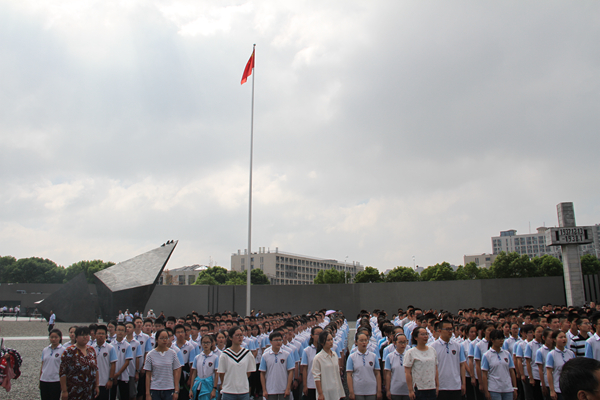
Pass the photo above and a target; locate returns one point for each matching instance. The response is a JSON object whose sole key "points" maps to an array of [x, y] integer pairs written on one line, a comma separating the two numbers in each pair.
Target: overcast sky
{"points": [[383, 129]]}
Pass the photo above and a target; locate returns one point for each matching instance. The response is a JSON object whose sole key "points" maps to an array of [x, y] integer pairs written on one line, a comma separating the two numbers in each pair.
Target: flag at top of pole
{"points": [[248, 69]]}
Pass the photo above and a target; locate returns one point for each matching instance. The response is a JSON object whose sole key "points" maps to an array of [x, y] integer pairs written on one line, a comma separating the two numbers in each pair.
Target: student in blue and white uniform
{"points": [[478, 350], [309, 388], [124, 357], [592, 345], [363, 371], [204, 370], [533, 372], [540, 361], [49, 372], [395, 376], [555, 361], [106, 359], [276, 370], [498, 370], [519, 351], [451, 363]]}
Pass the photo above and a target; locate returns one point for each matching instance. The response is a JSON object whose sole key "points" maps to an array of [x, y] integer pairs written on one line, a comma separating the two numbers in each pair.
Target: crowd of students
{"points": [[474, 355]]}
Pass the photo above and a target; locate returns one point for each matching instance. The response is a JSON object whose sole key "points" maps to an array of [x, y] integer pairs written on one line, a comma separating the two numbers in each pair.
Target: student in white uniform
{"points": [[309, 388], [106, 359], [451, 363], [203, 377], [276, 370], [534, 373], [395, 376], [124, 357], [592, 345], [498, 370], [555, 361], [49, 372], [138, 359], [540, 361], [363, 371]]}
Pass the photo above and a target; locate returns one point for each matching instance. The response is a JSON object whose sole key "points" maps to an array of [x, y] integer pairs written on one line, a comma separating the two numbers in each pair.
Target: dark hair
{"points": [[415, 334], [578, 374], [361, 332], [322, 339], [312, 332], [58, 332], [177, 327], [495, 335], [231, 332], [397, 335], [209, 337], [527, 328], [158, 335], [82, 331], [275, 334], [102, 328]]}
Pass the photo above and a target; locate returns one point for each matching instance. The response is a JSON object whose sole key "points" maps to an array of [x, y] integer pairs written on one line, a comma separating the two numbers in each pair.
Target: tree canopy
{"points": [[330, 276], [402, 274], [369, 275], [220, 276], [43, 270]]}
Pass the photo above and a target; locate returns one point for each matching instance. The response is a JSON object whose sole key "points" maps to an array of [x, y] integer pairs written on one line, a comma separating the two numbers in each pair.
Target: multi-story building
{"points": [[481, 260], [288, 268], [180, 276], [534, 244]]}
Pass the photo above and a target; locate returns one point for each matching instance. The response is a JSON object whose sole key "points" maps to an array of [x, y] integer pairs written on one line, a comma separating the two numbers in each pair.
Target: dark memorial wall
{"points": [[351, 298]]}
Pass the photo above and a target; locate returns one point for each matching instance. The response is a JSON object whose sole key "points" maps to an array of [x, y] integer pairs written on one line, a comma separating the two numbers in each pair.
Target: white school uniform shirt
{"points": [[592, 347], [540, 359], [520, 353], [235, 366], [509, 344], [478, 348], [51, 363], [123, 350], [363, 367], [466, 347], [394, 362], [555, 361], [530, 351], [105, 357], [50, 321], [206, 365], [186, 353], [450, 356], [143, 339], [276, 367], [498, 365], [138, 352], [307, 359]]}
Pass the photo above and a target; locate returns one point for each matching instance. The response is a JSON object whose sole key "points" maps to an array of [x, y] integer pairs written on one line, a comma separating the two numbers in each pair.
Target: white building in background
{"points": [[290, 269], [481, 260], [181, 276], [534, 244]]}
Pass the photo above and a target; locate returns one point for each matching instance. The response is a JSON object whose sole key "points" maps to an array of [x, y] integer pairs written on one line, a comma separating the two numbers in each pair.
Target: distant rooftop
{"points": [[195, 267]]}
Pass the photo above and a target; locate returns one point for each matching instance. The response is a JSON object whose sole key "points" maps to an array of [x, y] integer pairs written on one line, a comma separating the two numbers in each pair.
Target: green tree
{"points": [[468, 272], [89, 267], [236, 278], [438, 272], [548, 265], [513, 265], [402, 274], [590, 264], [258, 277], [206, 280], [369, 275], [33, 270], [330, 276], [5, 262], [219, 274]]}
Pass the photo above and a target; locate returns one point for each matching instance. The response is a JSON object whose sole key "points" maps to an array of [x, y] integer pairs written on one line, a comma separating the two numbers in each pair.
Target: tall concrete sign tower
{"points": [[569, 236]]}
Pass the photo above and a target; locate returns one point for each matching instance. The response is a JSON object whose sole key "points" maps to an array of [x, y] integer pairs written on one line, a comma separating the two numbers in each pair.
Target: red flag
{"points": [[248, 69]]}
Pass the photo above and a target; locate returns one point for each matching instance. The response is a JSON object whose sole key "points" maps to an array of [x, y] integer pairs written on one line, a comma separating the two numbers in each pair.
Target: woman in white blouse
{"points": [[326, 370], [420, 365]]}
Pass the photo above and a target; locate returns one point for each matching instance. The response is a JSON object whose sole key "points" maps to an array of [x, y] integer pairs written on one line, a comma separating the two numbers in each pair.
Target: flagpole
{"points": [[248, 264]]}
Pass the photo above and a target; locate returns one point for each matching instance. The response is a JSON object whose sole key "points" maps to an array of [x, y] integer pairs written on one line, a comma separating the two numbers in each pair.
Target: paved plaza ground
{"points": [[29, 339]]}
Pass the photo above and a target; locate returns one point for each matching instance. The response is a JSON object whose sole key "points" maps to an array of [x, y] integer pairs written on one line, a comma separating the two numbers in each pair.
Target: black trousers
{"points": [[50, 390], [449, 395], [123, 390], [470, 389], [104, 394]]}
